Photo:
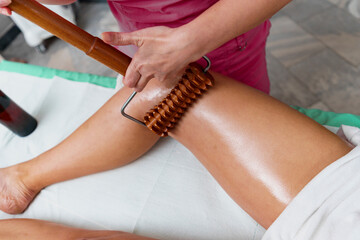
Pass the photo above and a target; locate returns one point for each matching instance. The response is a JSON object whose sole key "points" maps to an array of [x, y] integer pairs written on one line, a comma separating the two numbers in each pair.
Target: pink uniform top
{"points": [[242, 58], [138, 14]]}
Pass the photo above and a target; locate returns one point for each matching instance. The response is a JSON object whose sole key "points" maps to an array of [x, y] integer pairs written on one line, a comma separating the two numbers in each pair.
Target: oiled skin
{"points": [[260, 150]]}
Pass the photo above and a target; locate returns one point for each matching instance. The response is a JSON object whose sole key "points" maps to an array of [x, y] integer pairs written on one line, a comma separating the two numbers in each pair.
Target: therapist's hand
{"points": [[163, 53], [3, 7]]}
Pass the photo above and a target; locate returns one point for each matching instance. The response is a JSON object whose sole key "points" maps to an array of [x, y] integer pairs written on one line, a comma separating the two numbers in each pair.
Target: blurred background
{"points": [[313, 50]]}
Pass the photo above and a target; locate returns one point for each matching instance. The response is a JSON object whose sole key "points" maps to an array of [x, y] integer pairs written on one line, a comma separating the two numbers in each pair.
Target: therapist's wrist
{"points": [[192, 44]]}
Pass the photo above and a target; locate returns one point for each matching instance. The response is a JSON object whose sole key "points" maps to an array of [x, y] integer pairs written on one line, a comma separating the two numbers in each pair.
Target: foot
{"points": [[15, 196]]}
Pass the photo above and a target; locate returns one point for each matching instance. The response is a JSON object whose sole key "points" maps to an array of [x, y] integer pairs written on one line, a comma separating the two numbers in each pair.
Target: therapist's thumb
{"points": [[4, 10], [119, 38]]}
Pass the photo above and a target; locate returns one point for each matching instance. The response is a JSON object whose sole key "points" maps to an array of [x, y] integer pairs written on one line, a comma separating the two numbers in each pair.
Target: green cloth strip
{"points": [[44, 72], [322, 117], [330, 118]]}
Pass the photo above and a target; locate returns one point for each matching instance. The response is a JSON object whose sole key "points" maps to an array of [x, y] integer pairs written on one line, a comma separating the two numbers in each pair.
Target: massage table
{"points": [[165, 194]]}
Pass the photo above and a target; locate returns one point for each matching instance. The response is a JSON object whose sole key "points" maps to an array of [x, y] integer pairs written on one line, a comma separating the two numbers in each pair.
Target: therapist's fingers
{"points": [[132, 76], [4, 3], [5, 11], [142, 83], [161, 54], [3, 7], [121, 38]]}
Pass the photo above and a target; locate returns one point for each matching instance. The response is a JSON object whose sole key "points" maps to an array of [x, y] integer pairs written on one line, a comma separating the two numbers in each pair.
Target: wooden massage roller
{"points": [[160, 119], [163, 117]]}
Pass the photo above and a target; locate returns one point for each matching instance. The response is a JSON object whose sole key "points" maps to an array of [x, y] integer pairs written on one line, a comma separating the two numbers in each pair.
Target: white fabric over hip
{"points": [[329, 206]]}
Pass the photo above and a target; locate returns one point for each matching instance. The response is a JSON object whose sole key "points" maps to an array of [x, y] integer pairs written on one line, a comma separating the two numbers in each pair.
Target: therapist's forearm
{"points": [[227, 19]]}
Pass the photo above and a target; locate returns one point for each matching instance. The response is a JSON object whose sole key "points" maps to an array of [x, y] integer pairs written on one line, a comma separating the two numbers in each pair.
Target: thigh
{"points": [[260, 150]]}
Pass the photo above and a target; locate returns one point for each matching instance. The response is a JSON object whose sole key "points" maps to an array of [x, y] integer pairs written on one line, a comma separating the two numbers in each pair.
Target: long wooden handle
{"points": [[60, 27]]}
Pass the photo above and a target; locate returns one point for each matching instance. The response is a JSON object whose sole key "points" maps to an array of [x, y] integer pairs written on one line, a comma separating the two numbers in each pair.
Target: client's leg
{"points": [[106, 141], [41, 230], [260, 150]]}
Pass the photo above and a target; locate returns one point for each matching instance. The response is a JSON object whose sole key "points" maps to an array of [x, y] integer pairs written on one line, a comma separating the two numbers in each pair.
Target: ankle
{"points": [[27, 177]]}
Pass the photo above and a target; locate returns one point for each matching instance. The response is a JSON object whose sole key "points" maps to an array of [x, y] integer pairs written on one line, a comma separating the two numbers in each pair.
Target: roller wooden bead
{"points": [[164, 116]]}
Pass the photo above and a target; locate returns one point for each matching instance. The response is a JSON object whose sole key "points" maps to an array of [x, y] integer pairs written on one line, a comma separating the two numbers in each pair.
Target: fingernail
{"points": [[107, 37], [127, 83], [4, 11]]}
